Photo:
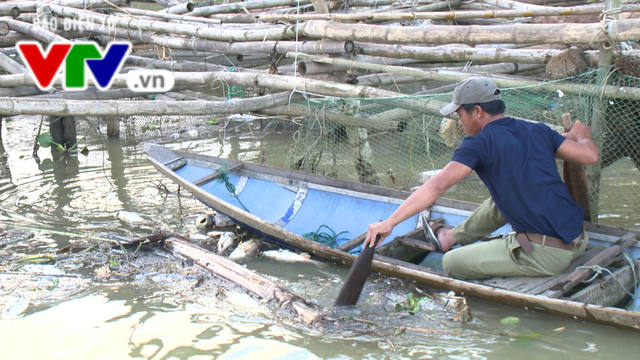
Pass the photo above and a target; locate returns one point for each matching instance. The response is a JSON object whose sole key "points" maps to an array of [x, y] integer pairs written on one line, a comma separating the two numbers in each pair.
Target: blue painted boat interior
{"points": [[339, 212], [272, 202]]}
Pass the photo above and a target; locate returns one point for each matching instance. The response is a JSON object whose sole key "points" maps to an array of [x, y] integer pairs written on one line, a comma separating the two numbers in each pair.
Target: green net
{"points": [[402, 142]]}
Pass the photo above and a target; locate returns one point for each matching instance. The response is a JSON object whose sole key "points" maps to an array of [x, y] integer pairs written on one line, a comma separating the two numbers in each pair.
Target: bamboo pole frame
{"points": [[279, 32], [289, 83], [447, 15], [61, 107], [224, 47], [568, 34], [34, 31], [246, 5], [166, 16]]}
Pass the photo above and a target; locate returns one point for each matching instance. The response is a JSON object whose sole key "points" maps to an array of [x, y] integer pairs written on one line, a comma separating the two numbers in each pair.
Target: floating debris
{"points": [[131, 217], [289, 256], [227, 239], [204, 221], [245, 249]]}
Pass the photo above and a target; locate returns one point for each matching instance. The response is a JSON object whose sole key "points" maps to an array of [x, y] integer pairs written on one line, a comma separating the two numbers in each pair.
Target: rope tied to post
{"points": [[607, 20]]}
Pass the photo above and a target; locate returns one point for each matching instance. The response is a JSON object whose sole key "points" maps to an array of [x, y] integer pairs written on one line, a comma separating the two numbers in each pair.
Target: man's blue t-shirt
{"points": [[516, 161]]}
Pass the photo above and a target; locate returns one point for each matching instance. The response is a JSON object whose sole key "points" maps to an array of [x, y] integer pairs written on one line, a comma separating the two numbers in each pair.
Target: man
{"points": [[516, 161]]}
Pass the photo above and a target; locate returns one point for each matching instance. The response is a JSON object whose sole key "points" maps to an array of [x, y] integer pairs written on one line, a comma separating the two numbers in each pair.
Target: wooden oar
{"points": [[575, 177], [360, 270]]}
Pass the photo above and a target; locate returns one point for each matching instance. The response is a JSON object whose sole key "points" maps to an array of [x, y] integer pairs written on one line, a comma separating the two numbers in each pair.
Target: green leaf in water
{"points": [[114, 262], [510, 320], [530, 336], [59, 147], [45, 165], [85, 151], [400, 331], [213, 121], [44, 140]]}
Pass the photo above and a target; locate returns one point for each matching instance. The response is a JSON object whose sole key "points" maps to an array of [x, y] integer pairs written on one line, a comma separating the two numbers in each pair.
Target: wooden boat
{"points": [[284, 205]]}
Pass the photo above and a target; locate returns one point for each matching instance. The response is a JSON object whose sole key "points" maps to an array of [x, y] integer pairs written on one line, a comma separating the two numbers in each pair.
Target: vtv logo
{"points": [[101, 66]]}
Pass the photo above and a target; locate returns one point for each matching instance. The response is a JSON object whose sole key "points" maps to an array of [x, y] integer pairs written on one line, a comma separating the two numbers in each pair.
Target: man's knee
{"points": [[452, 265]]}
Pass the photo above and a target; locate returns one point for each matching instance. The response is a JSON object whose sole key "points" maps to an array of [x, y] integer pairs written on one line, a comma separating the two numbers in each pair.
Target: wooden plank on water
{"points": [[250, 280], [608, 291], [603, 259]]}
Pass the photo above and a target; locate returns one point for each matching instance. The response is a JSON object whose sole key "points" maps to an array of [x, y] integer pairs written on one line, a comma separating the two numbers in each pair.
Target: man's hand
{"points": [[579, 131], [381, 229], [581, 149]]}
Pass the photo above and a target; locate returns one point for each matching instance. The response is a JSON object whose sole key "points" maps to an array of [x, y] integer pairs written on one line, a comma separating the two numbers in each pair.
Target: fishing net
{"points": [[402, 142]]}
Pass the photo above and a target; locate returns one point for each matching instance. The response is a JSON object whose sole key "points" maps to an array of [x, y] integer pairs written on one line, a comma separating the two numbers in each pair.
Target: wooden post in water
{"points": [[55, 129], [113, 126], [598, 117], [69, 137]]}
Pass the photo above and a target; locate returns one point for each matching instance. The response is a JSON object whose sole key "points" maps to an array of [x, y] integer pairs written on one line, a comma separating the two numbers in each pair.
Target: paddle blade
{"points": [[358, 275]]}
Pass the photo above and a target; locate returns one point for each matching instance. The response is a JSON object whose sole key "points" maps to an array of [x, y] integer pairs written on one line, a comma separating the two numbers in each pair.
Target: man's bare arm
{"points": [[419, 200], [578, 148]]}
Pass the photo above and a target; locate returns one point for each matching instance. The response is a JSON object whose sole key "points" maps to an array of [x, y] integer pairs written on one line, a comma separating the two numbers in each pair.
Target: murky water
{"points": [[153, 315]]}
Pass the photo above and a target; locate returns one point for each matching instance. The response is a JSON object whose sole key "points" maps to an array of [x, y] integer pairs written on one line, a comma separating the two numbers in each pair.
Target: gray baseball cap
{"points": [[476, 90]]}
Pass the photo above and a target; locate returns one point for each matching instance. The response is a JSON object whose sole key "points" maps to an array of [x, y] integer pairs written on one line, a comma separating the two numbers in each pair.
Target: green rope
{"points": [[599, 269], [224, 177], [325, 238]]}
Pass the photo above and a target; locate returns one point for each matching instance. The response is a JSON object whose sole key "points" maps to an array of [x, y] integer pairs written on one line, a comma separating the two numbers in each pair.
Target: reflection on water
{"points": [[132, 319]]}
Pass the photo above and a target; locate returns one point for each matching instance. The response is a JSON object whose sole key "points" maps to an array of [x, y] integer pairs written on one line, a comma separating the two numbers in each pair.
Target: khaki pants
{"points": [[503, 256]]}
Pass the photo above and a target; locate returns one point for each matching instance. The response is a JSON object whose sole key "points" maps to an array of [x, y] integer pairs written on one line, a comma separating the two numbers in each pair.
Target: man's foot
{"points": [[436, 236]]}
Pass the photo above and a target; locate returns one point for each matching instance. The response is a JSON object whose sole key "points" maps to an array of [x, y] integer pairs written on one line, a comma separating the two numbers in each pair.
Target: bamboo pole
{"points": [[173, 65], [19, 91], [510, 4], [10, 65], [374, 122], [533, 11], [227, 48], [418, 74], [9, 10], [453, 53], [273, 33], [10, 106], [598, 118], [568, 34], [166, 16], [179, 9], [320, 6], [243, 6], [34, 31], [31, 6], [443, 15], [289, 83], [4, 28]]}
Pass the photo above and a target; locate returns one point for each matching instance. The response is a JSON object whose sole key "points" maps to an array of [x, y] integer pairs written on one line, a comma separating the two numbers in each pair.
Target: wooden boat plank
{"points": [[608, 291], [400, 249], [353, 243], [215, 175], [604, 258], [416, 244], [547, 282]]}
